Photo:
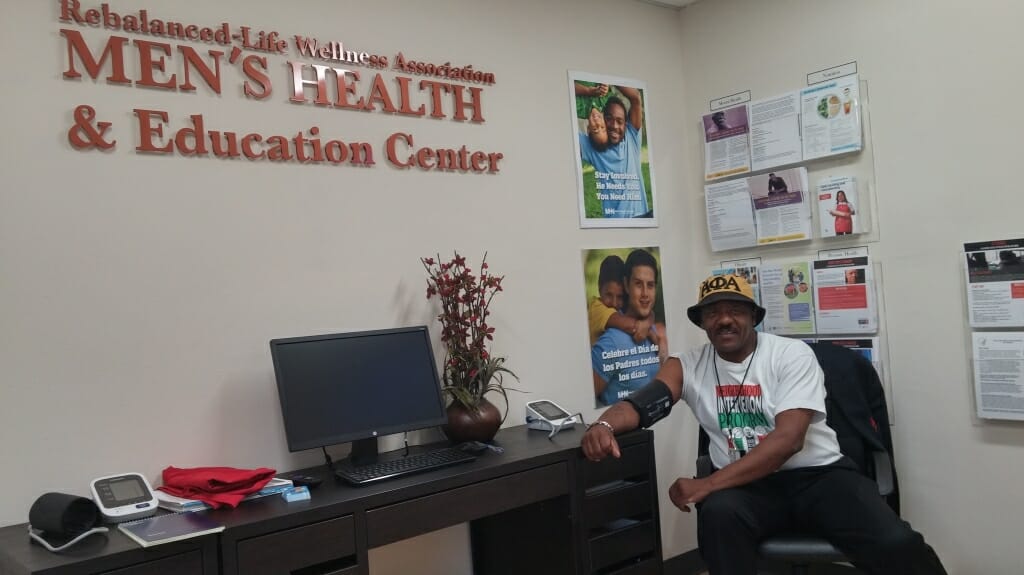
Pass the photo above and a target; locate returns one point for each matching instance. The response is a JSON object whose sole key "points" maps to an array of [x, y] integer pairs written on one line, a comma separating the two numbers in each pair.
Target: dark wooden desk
{"points": [[539, 507]]}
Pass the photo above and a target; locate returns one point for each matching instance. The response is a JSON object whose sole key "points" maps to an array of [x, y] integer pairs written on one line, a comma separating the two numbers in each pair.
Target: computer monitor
{"points": [[355, 387]]}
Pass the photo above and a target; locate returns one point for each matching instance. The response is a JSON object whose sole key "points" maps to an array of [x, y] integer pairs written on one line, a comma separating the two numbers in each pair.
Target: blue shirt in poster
{"points": [[623, 364], [620, 180]]}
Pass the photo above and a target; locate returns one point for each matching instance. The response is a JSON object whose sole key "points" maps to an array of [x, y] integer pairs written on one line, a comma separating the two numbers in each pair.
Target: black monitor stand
{"points": [[364, 452]]}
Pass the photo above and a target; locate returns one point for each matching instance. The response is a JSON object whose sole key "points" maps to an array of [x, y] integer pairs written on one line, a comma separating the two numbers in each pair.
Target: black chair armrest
{"points": [[883, 472], [799, 549]]}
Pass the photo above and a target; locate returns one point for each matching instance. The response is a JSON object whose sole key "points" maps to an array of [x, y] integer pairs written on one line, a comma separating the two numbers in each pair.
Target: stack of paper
{"points": [[178, 504]]}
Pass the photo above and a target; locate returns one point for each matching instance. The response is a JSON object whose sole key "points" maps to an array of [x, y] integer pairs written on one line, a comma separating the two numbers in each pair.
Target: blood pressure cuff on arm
{"points": [[652, 402]]}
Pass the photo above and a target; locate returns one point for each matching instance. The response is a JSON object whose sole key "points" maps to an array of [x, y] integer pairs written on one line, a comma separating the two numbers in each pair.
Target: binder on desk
{"points": [[167, 528]]}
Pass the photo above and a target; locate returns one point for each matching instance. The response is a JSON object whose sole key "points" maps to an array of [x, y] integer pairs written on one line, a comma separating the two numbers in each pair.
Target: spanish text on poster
{"points": [[830, 118], [775, 132], [730, 215], [999, 374], [787, 298], [615, 179], [837, 207], [726, 142], [782, 207], [626, 319], [995, 283], [844, 296]]}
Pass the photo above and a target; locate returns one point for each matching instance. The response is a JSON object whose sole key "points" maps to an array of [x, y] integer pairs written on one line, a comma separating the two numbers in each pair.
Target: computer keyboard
{"points": [[415, 463]]}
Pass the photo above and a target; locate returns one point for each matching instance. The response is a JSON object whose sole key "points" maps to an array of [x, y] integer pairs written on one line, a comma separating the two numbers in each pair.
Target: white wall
{"points": [[139, 292], [945, 140]]}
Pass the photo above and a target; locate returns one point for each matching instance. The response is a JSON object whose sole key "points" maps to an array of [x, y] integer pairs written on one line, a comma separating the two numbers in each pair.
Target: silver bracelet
{"points": [[602, 423]]}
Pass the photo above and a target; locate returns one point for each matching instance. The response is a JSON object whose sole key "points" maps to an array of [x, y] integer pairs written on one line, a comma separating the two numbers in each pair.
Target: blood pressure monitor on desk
{"points": [[548, 416], [124, 497], [58, 521]]}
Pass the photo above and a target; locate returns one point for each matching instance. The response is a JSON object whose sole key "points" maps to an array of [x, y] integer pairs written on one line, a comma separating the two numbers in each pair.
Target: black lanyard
{"points": [[739, 392]]}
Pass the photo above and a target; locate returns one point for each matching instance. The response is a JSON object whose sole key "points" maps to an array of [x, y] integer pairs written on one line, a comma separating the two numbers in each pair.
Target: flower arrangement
{"points": [[470, 371]]}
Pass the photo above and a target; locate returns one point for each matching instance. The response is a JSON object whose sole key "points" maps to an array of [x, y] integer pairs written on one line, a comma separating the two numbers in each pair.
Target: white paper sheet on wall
{"points": [[775, 132], [999, 374], [830, 118]]}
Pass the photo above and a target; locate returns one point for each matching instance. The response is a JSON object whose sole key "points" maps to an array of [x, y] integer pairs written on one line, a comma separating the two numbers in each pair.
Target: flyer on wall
{"points": [[995, 282], [626, 319], [999, 374], [748, 268], [775, 132], [837, 207], [844, 296], [782, 208], [787, 298], [726, 142], [614, 176], [730, 216], [830, 118]]}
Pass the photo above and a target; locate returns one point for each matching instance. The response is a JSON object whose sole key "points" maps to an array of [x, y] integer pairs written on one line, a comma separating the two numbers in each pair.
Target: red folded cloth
{"points": [[215, 486]]}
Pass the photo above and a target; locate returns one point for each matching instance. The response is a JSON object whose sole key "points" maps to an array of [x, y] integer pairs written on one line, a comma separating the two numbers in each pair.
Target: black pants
{"points": [[835, 501]]}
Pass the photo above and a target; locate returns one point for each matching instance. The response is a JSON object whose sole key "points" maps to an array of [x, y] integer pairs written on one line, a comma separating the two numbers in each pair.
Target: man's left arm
{"points": [[785, 441], [636, 105]]}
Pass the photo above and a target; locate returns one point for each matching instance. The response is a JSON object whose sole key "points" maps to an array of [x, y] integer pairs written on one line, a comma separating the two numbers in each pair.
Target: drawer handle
{"points": [[332, 567]]}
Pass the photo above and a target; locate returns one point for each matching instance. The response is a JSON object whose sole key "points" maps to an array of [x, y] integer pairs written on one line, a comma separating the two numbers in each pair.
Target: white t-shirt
{"points": [[785, 375]]}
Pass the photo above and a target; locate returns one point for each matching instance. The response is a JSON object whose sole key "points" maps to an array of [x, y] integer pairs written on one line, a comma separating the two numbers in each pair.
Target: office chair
{"points": [[856, 410]]}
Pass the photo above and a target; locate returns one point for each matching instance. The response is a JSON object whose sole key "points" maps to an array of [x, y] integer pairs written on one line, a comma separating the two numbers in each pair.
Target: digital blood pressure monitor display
{"points": [[548, 410], [547, 415], [124, 497]]}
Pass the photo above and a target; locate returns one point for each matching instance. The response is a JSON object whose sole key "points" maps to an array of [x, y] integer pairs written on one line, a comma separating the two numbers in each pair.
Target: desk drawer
{"points": [[321, 548], [190, 563], [407, 518], [629, 500], [634, 463], [632, 540]]}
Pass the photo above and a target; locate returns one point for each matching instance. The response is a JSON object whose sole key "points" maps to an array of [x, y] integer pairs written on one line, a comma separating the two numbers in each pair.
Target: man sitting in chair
{"points": [[761, 400]]}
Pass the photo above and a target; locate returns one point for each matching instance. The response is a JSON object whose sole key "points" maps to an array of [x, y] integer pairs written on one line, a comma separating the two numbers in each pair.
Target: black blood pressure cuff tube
{"points": [[652, 401]]}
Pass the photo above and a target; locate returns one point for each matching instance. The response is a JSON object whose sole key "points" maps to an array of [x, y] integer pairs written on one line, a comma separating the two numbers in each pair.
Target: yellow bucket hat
{"points": [[724, 287]]}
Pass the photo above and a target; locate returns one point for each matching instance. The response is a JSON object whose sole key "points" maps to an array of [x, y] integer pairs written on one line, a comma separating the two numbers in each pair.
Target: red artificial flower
{"points": [[465, 300]]}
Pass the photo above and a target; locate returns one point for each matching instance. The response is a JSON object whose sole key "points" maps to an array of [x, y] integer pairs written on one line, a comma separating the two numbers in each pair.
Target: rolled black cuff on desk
{"points": [[62, 515]]}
